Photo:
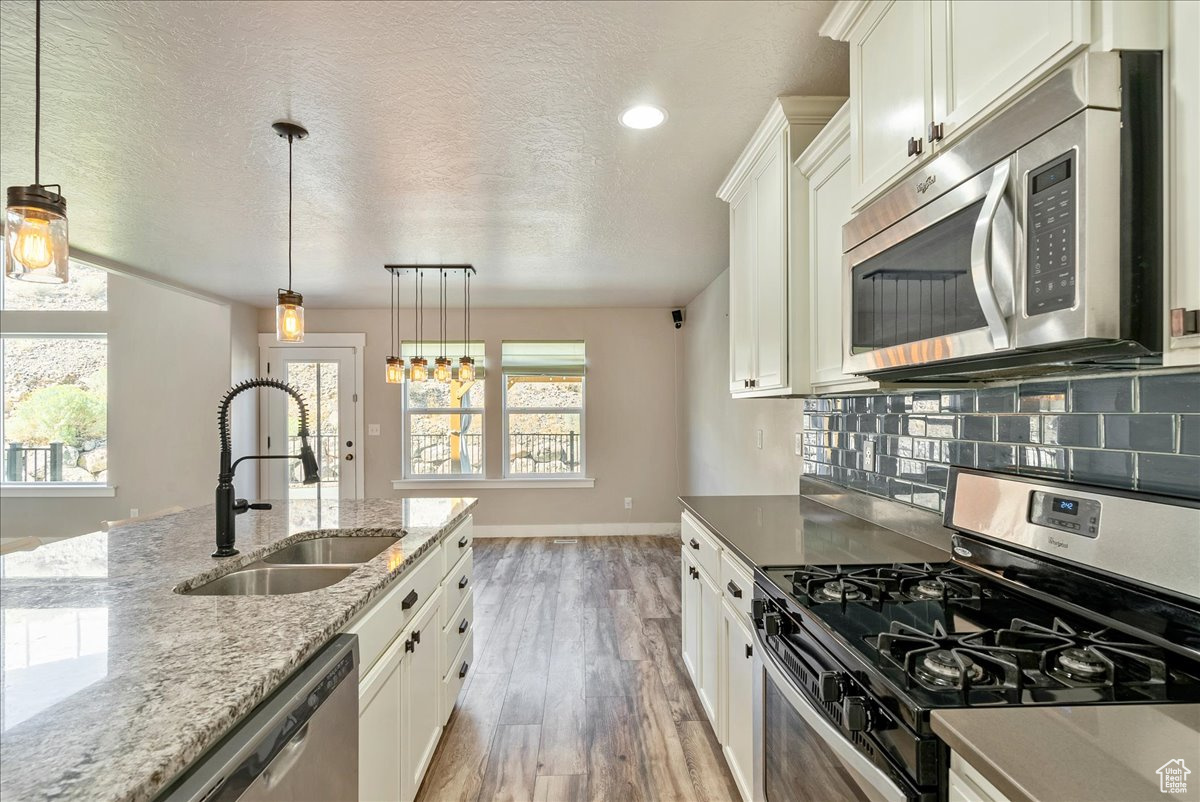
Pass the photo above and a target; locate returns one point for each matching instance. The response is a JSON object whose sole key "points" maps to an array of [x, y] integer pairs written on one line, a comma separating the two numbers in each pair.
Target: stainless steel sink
{"points": [[274, 580], [330, 551]]}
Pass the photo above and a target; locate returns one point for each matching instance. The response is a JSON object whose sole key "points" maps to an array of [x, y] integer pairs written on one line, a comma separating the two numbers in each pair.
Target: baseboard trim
{"points": [[576, 530]]}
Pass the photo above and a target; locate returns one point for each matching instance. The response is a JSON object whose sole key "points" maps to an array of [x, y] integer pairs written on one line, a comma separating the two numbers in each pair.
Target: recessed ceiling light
{"points": [[643, 117]]}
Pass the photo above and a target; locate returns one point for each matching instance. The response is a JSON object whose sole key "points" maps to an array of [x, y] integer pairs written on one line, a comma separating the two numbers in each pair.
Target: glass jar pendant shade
{"points": [[418, 369], [289, 307], [466, 369], [395, 370], [441, 371], [289, 317], [35, 217]]}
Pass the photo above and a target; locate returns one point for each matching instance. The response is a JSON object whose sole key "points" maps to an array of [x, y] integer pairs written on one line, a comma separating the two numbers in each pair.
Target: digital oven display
{"points": [[1065, 506]]}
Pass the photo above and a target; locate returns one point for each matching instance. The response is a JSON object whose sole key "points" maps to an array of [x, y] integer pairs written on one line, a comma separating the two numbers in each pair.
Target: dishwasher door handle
{"points": [[286, 760]]}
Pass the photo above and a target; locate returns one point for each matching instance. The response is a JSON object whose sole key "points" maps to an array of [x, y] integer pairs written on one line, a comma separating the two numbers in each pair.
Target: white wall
{"points": [[718, 433], [170, 358], [630, 414]]}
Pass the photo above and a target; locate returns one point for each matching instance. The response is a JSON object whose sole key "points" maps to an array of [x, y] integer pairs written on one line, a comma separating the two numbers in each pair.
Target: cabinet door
{"points": [[379, 728], [422, 682], [983, 51], [770, 266], [889, 79], [710, 648], [738, 700], [828, 210], [690, 613], [742, 246]]}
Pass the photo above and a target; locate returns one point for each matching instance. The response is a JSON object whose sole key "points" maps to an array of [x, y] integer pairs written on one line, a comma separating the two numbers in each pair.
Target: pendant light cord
{"points": [[37, 94], [289, 212]]}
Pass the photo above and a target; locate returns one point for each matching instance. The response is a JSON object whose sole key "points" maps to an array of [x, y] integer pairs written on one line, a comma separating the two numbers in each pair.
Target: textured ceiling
{"points": [[441, 132]]}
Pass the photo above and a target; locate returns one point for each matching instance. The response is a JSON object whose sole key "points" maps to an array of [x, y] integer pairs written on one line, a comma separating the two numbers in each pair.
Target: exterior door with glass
{"points": [[327, 379]]}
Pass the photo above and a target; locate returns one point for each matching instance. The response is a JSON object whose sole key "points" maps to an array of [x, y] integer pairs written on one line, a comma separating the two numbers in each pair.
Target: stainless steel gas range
{"points": [[1056, 594]]}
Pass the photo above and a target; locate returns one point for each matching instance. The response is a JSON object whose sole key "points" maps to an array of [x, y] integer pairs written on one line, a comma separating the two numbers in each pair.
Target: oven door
{"points": [[799, 755], [938, 285]]}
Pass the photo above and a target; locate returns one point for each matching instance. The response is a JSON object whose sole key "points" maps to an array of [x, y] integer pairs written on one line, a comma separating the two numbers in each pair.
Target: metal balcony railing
{"points": [[528, 453], [24, 463]]}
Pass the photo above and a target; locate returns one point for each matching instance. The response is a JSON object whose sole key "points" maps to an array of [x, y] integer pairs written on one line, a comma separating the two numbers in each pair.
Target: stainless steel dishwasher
{"points": [[300, 745]]}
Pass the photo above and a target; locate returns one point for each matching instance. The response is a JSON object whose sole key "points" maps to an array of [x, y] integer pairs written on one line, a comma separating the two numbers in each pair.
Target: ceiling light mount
{"points": [[290, 130], [643, 116]]}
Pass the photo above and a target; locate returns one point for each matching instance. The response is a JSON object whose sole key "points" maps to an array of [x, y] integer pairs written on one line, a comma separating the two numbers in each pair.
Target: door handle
{"points": [[409, 600], [937, 132], [981, 258], [734, 590], [462, 583], [349, 458], [914, 146], [463, 626], [408, 645]]}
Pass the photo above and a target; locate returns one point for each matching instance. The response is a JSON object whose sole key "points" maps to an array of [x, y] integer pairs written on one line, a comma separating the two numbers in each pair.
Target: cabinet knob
{"points": [[937, 132], [915, 146]]}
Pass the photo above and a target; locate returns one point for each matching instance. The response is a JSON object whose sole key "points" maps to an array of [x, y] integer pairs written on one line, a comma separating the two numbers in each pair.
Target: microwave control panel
{"points": [[1050, 284]]}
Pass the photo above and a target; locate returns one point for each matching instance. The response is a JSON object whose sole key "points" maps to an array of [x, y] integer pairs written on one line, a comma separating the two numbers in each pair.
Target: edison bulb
{"points": [[441, 371], [466, 369], [35, 245], [418, 369], [289, 317], [395, 370]]}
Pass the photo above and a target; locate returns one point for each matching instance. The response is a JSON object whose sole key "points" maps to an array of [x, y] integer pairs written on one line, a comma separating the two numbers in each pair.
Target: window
{"points": [[543, 408], [443, 423], [54, 371]]}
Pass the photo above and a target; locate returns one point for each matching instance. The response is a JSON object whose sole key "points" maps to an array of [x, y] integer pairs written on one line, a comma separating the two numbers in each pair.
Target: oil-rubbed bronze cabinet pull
{"points": [[462, 583], [462, 542], [463, 626], [694, 544], [734, 589], [462, 672], [409, 600]]}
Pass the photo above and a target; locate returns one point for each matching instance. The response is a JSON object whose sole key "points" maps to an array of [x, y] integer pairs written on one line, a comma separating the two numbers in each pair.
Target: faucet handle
{"points": [[260, 505]]}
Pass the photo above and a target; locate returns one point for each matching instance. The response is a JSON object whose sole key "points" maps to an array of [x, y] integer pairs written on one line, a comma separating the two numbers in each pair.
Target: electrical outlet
{"points": [[758, 438], [799, 444], [372, 429], [628, 503], [868, 453], [134, 512]]}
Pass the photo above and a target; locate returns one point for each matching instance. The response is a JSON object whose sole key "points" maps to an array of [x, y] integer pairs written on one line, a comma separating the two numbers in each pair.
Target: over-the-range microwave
{"points": [[1032, 246]]}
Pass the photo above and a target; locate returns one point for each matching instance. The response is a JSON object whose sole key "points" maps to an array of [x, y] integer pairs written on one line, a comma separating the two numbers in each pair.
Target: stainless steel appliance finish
{"points": [[302, 743], [1086, 526], [1031, 246]]}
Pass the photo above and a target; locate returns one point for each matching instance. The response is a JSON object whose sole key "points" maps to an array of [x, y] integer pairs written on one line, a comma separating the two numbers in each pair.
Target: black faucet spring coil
{"points": [[223, 411]]}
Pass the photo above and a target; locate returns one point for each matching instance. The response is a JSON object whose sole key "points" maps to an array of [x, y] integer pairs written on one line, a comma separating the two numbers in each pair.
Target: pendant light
{"points": [[395, 365], [466, 365], [35, 220], [418, 367], [441, 373], [289, 307]]}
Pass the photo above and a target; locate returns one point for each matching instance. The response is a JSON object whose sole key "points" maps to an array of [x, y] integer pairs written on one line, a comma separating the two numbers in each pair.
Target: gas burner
{"points": [[930, 583], [930, 589], [1081, 664], [839, 590], [949, 668], [940, 661]]}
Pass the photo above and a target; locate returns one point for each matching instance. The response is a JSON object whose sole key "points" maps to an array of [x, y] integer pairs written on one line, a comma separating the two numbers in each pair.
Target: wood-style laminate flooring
{"points": [[578, 690]]}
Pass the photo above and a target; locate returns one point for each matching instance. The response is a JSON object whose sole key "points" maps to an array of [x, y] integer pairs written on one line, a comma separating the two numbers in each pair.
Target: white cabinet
{"points": [[716, 592], [826, 166], [422, 691], [984, 51], [767, 252], [737, 697], [924, 71], [890, 100], [379, 728], [966, 784]]}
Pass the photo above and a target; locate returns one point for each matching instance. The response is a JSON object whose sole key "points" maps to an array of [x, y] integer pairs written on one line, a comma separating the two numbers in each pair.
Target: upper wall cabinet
{"points": [[922, 71], [768, 247]]}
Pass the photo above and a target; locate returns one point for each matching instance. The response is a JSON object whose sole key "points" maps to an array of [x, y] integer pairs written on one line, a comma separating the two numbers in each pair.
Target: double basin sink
{"points": [[298, 567]]}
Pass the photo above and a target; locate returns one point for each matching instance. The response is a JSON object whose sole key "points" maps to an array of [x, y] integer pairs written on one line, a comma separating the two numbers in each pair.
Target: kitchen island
{"points": [[114, 682]]}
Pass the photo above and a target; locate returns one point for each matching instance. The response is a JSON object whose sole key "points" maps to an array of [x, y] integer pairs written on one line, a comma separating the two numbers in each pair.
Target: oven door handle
{"points": [[981, 258], [880, 786]]}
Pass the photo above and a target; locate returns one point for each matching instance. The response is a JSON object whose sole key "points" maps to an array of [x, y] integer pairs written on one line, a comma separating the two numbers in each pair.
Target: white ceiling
{"points": [[441, 132]]}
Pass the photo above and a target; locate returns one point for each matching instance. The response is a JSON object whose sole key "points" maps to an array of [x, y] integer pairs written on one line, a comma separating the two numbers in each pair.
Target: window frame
{"points": [[60, 324], [581, 410], [406, 413]]}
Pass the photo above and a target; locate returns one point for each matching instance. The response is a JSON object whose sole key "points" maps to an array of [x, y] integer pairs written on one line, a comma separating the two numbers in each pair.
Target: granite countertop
{"points": [[1099, 753], [795, 530], [113, 683]]}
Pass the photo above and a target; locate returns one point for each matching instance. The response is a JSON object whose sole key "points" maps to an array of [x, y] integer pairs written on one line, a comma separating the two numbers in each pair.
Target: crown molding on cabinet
{"points": [[784, 111], [841, 20], [836, 131]]}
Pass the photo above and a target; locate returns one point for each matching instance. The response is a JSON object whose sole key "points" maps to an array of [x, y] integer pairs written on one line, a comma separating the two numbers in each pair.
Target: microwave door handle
{"points": [[981, 258]]}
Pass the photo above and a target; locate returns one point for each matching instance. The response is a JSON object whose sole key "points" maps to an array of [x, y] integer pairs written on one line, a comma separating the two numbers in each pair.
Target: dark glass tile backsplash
{"points": [[1132, 432]]}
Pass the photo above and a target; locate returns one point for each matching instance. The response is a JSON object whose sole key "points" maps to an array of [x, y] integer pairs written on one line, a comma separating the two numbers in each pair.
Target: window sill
{"points": [[516, 483], [55, 490]]}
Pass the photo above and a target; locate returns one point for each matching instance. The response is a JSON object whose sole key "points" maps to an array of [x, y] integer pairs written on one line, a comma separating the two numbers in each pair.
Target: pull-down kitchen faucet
{"points": [[228, 508]]}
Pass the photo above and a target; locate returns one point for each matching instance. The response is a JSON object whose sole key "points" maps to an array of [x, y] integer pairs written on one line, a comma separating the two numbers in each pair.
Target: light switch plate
{"points": [[799, 444], [758, 438], [373, 429]]}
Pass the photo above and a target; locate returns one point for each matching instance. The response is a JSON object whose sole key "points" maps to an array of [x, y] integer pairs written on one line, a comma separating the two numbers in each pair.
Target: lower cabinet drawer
{"points": [[383, 620], [453, 681], [737, 585], [459, 626], [704, 548], [458, 543], [458, 585]]}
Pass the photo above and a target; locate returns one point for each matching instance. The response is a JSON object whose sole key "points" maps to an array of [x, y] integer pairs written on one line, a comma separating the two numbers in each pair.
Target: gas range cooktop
{"points": [[938, 636]]}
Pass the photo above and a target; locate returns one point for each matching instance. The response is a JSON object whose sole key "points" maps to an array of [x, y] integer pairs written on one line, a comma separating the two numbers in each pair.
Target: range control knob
{"points": [[856, 714], [829, 687], [771, 623]]}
